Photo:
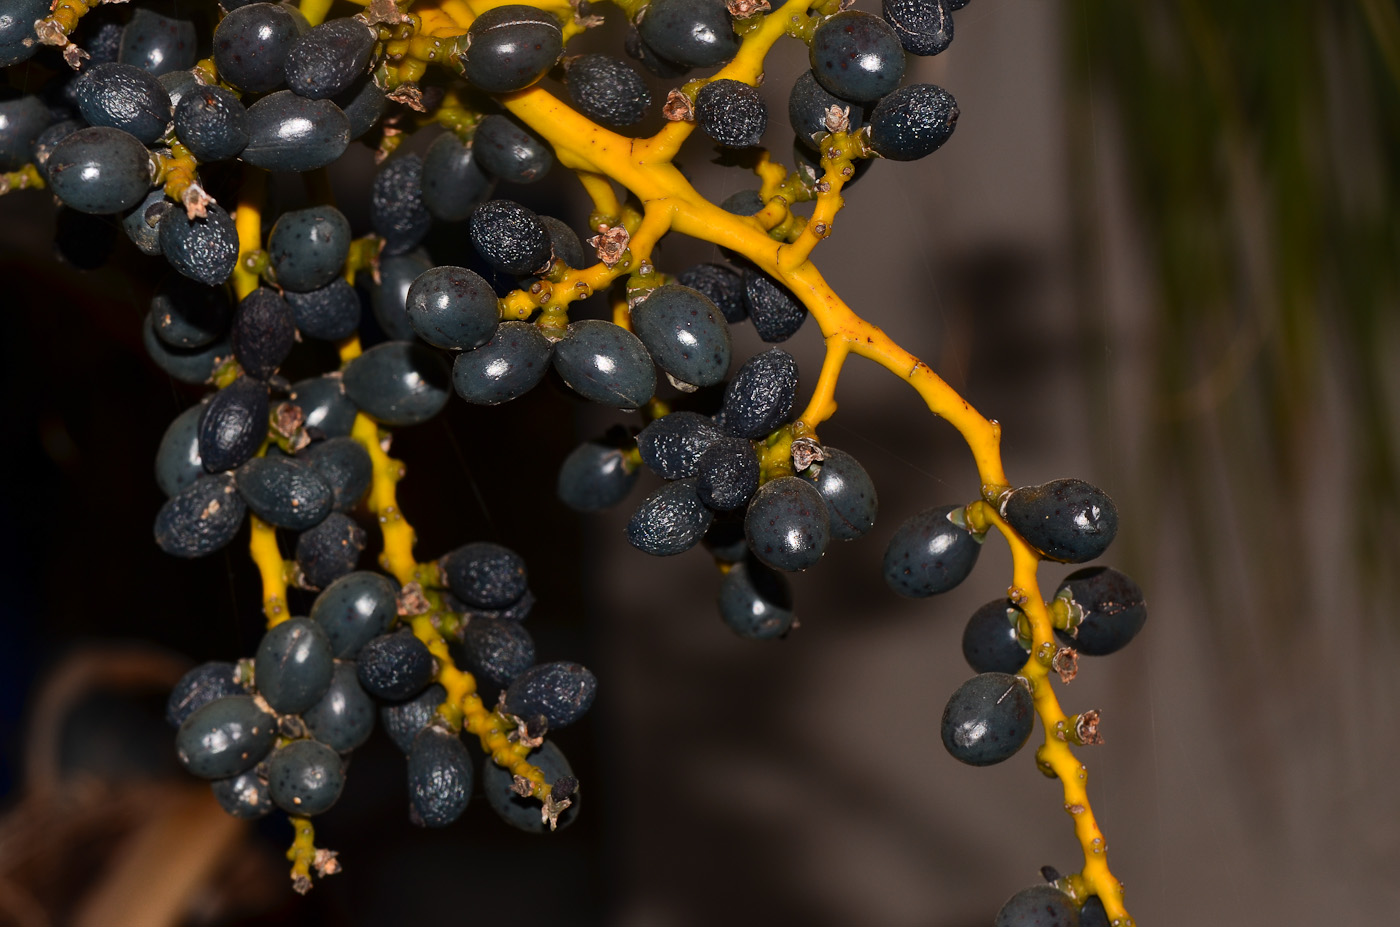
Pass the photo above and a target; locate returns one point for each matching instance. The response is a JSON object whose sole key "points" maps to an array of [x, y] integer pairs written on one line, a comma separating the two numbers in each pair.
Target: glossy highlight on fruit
{"points": [[1066, 520], [100, 170], [291, 133], [605, 363], [398, 383], [293, 666], [930, 553], [988, 719], [506, 367], [225, 737], [787, 524], [685, 333], [561, 693], [510, 47]]}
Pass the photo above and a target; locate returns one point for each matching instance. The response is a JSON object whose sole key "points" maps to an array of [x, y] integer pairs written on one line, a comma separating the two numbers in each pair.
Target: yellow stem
{"points": [[262, 545], [248, 221]]}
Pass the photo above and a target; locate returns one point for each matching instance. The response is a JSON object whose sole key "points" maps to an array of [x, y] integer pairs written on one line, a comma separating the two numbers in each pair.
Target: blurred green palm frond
{"points": [[1260, 141]]}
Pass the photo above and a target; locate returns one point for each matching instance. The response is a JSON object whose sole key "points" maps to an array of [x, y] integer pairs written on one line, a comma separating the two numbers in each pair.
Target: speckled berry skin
{"points": [[595, 476], [293, 665], [989, 642], [201, 518], [345, 466], [509, 237], [727, 474], [452, 307], [670, 521], [755, 602], [732, 113], [685, 333], [308, 247], [498, 649], [857, 56], [329, 313], [787, 524], [924, 27], [344, 717], [403, 721], [290, 133], [330, 550], [849, 493], [988, 719], [559, 692], [776, 314], [233, 425], [524, 813], [398, 383], [202, 249], [396, 208], [263, 332], [929, 554], [690, 33], [1039, 906], [506, 367], [760, 396], [721, 285], [395, 666], [1114, 610], [564, 243], [122, 96], [671, 445], [251, 45], [485, 575], [607, 90], [285, 492], [225, 737], [511, 47], [808, 105], [605, 363], [329, 58], [305, 777], [440, 777], [197, 688], [508, 151], [913, 122], [354, 610], [243, 796], [1067, 520]]}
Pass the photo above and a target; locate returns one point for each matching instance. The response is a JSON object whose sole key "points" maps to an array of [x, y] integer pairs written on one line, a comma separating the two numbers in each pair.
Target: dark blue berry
{"points": [[756, 602], [510, 47], [453, 181], [122, 96], [509, 151], [293, 665], [323, 403], [263, 332], [345, 466], [787, 524], [1066, 520], [203, 249], [509, 237], [308, 247], [291, 133], [388, 298], [685, 333], [344, 717], [498, 649], [403, 721], [188, 314], [440, 777], [732, 113], [691, 33], [561, 693], [177, 457], [721, 285], [848, 491], [924, 27], [200, 519], [670, 521], [727, 474], [991, 643], [809, 108], [329, 313], [157, 44], [595, 476], [197, 688], [1110, 608], [1038, 906], [234, 425], [504, 368], [671, 445], [607, 90], [243, 796], [452, 307], [328, 59], [988, 719], [251, 45], [329, 550], [857, 56], [21, 122], [484, 574], [930, 553], [225, 737], [760, 396], [605, 363], [285, 492], [497, 784], [212, 123], [354, 610], [913, 122], [396, 209], [775, 312], [305, 777], [395, 666], [398, 383], [101, 170]]}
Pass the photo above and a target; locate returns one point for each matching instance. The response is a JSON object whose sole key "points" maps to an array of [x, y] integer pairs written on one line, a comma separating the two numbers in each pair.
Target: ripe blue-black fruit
{"points": [[453, 181], [398, 383], [293, 665], [509, 237], [727, 474], [363, 103], [518, 610], [263, 332], [344, 717], [912, 122], [755, 602], [607, 90], [564, 243], [787, 524], [225, 737], [21, 121], [188, 314], [1066, 520], [323, 403], [639, 51], [498, 649], [605, 363], [201, 519], [396, 209], [1092, 913], [721, 285], [504, 368], [388, 298], [197, 688], [285, 492], [497, 784], [329, 58], [1038, 906], [18, 41], [440, 777], [307, 247], [291, 133], [251, 45], [685, 333], [857, 56], [691, 33], [177, 457], [924, 27], [809, 107], [329, 313], [177, 84], [403, 721], [305, 777], [452, 307], [345, 466], [203, 249], [930, 553], [142, 224], [848, 491], [212, 123], [233, 425], [100, 170], [1110, 608], [988, 719], [354, 610], [990, 642], [330, 550], [725, 540], [484, 574], [395, 666], [510, 47], [122, 96], [775, 312], [670, 521], [671, 445], [47, 140], [243, 796], [732, 113], [157, 44], [760, 396], [561, 693], [509, 151], [595, 476]]}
